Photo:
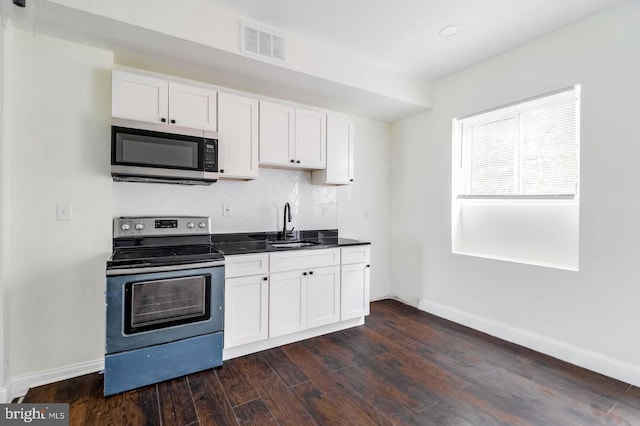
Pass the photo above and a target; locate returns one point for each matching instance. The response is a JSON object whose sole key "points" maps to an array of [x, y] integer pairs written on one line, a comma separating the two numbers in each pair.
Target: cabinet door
{"points": [[311, 138], [192, 107], [287, 303], [237, 136], [138, 97], [339, 151], [246, 310], [323, 296], [276, 134], [354, 291]]}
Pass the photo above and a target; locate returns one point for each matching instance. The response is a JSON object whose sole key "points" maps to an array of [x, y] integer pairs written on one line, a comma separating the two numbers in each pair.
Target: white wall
{"points": [[256, 205], [588, 317], [528, 231], [4, 53], [60, 114]]}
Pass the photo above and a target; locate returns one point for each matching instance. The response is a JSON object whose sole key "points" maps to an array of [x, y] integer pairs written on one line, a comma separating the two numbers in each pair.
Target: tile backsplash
{"points": [[255, 205]]}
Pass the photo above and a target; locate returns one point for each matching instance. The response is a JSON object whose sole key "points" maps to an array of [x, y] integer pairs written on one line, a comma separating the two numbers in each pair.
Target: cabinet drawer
{"points": [[355, 254], [294, 260], [246, 264]]}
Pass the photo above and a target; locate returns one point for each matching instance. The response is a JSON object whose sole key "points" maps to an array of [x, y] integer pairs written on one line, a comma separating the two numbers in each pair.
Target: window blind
{"points": [[528, 149]]}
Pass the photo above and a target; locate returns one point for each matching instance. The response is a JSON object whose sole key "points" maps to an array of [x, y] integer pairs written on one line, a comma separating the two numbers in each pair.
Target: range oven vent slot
{"points": [[262, 43]]}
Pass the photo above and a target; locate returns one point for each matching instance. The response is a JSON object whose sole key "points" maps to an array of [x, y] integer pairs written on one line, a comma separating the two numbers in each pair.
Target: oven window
{"points": [[151, 305]]}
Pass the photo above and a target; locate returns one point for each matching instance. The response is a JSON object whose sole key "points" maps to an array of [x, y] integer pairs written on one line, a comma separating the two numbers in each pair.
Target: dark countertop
{"points": [[261, 242]]}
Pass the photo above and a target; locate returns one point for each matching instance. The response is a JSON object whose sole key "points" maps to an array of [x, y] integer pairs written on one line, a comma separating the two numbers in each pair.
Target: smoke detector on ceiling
{"points": [[262, 43]]}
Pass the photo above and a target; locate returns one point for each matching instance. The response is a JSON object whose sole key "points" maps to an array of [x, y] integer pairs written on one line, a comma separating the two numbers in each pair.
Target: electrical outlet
{"points": [[63, 210], [226, 210]]}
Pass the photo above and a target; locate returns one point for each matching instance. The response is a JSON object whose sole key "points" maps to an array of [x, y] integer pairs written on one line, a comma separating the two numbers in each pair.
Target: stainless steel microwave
{"points": [[145, 152]]}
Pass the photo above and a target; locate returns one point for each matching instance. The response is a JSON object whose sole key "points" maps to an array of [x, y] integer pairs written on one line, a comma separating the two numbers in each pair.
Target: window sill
{"points": [[566, 267]]}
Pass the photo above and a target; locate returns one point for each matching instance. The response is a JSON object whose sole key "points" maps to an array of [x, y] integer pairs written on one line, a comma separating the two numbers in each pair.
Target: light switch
{"points": [[63, 210]]}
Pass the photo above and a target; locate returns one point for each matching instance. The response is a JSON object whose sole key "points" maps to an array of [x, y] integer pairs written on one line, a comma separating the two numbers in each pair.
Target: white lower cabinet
{"points": [[246, 310], [355, 282], [355, 291], [303, 299], [285, 296], [287, 303], [323, 296], [246, 299]]}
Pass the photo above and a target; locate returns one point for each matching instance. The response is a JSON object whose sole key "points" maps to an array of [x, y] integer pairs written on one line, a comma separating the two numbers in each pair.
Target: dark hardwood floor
{"points": [[403, 367]]}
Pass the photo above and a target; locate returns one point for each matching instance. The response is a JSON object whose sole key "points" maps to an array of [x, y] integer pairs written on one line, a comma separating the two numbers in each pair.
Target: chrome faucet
{"points": [[287, 218]]}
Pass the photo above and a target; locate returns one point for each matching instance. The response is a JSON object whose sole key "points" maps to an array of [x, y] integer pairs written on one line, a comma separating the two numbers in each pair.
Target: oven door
{"points": [[150, 308]]}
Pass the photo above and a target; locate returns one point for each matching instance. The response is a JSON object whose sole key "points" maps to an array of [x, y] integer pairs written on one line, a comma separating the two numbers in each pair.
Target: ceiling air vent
{"points": [[262, 43]]}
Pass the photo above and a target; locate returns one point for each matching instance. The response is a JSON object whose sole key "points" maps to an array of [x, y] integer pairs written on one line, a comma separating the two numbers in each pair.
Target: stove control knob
{"points": [[139, 226], [125, 227], [202, 224], [191, 225]]}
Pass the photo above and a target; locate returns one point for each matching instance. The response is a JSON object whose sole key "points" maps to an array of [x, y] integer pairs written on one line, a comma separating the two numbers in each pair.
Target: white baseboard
{"points": [[19, 385], [594, 361]]}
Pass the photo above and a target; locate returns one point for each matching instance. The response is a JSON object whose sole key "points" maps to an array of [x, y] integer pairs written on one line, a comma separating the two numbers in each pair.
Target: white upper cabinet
{"points": [[155, 100], [237, 137], [292, 137], [311, 138], [277, 124], [138, 97], [340, 137], [251, 133], [193, 107]]}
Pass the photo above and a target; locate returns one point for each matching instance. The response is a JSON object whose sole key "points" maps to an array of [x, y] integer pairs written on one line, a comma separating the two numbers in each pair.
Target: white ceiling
{"points": [[398, 38], [403, 34]]}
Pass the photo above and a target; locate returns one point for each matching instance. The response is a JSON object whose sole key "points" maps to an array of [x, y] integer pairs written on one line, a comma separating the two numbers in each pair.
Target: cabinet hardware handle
{"points": [[164, 120], [293, 161], [350, 180], [310, 272], [265, 279], [368, 266], [304, 273], [222, 171], [298, 161], [173, 121]]}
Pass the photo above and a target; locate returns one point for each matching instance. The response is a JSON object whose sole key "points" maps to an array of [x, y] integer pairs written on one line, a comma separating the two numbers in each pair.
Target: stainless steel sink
{"points": [[292, 244]]}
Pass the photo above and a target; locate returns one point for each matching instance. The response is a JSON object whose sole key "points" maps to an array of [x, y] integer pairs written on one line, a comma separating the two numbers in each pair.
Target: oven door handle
{"points": [[167, 268]]}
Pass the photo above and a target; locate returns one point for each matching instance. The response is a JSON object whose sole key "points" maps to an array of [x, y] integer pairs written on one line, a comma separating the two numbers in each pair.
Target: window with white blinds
{"points": [[524, 150]]}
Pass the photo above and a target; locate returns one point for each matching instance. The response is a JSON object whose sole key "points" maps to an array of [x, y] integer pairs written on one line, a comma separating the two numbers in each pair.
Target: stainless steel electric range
{"points": [[165, 301]]}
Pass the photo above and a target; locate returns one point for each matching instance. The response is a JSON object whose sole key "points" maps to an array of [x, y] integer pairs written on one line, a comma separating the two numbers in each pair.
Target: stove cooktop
{"points": [[153, 241], [173, 255]]}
